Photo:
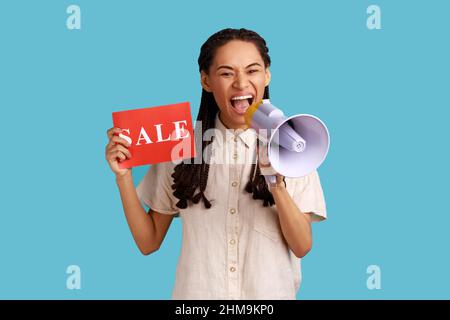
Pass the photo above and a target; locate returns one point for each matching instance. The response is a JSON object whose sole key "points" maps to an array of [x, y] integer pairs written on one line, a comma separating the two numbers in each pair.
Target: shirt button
{"points": [[232, 211], [235, 139], [234, 184], [232, 269], [235, 156], [232, 241]]}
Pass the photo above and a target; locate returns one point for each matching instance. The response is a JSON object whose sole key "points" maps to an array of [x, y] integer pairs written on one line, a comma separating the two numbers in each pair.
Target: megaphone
{"points": [[292, 146]]}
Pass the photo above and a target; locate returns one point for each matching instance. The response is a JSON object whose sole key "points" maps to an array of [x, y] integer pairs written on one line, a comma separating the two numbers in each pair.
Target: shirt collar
{"points": [[247, 136]]}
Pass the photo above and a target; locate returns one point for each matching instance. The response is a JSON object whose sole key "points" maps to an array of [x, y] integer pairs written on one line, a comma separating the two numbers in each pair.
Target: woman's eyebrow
{"points": [[229, 67], [253, 64], [224, 67]]}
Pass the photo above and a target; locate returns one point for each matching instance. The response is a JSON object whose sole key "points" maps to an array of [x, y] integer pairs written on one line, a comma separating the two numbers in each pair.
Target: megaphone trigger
{"points": [[263, 160], [263, 156]]}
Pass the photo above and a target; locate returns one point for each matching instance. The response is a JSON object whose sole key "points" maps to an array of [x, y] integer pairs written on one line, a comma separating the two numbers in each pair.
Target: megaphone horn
{"points": [[296, 145]]}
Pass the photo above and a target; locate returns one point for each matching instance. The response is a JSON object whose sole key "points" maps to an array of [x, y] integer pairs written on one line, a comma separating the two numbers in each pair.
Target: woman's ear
{"points": [[268, 76], [204, 80]]}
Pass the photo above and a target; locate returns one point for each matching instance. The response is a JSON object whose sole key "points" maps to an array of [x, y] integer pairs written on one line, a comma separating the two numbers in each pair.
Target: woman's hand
{"points": [[275, 181], [280, 180], [117, 151]]}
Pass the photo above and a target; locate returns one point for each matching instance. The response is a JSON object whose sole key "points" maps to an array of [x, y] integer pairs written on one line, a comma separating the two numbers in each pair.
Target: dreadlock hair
{"points": [[188, 177]]}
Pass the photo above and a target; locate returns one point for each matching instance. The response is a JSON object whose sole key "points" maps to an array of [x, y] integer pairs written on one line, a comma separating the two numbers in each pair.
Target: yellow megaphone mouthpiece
{"points": [[248, 115]]}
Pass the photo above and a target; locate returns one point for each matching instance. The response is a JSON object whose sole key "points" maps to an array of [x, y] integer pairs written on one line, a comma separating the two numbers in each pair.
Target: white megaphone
{"points": [[292, 147]]}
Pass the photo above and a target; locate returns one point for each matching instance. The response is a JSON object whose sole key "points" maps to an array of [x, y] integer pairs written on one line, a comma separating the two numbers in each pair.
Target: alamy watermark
{"points": [[73, 21], [73, 281], [374, 280], [373, 21]]}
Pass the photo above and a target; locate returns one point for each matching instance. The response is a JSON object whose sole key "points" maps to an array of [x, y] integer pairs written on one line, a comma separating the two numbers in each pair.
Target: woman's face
{"points": [[237, 77]]}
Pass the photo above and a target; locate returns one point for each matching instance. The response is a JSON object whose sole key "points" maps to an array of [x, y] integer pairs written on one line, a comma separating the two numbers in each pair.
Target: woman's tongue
{"points": [[240, 105]]}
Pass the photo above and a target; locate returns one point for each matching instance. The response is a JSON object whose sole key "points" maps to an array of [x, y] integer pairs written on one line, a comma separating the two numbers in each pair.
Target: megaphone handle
{"points": [[272, 182], [266, 167]]}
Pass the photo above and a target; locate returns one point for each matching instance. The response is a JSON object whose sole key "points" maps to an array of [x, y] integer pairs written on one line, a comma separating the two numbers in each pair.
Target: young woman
{"points": [[242, 239]]}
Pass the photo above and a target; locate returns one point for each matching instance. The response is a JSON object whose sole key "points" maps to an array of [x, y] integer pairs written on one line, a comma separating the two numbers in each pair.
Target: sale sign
{"points": [[156, 134]]}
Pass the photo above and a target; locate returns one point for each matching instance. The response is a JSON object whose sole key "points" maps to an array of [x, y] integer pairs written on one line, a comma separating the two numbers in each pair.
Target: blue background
{"points": [[382, 93]]}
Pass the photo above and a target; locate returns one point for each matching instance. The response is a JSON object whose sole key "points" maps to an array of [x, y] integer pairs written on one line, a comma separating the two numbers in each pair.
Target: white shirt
{"points": [[235, 249]]}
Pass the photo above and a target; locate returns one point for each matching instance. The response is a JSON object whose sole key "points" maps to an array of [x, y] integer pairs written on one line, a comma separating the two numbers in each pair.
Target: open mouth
{"points": [[241, 103]]}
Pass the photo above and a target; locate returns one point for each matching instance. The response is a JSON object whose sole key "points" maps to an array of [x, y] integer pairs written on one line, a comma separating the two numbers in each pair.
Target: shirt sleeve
{"points": [[155, 189], [308, 195]]}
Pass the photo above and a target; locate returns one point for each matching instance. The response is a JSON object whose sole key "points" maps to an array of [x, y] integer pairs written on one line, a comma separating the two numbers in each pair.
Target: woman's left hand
{"points": [[275, 181]]}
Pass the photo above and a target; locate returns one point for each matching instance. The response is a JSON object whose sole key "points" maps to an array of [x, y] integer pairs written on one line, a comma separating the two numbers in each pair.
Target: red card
{"points": [[156, 134]]}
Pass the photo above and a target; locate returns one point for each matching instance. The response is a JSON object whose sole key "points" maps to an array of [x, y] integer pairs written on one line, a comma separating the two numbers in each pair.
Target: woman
{"points": [[242, 239]]}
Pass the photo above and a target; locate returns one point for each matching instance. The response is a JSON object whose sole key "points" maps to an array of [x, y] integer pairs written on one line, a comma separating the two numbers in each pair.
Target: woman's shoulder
{"points": [[300, 182]]}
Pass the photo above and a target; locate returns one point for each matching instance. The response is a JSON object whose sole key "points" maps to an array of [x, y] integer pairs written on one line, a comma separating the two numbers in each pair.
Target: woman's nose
{"points": [[241, 81]]}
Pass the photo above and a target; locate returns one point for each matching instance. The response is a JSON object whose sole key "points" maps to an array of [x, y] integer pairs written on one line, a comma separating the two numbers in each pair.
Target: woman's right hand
{"points": [[117, 151]]}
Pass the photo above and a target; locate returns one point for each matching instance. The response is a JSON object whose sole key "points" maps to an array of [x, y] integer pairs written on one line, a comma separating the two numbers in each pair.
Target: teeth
{"points": [[242, 97]]}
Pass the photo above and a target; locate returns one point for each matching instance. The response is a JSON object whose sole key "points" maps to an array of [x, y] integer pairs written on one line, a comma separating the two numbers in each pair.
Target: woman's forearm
{"points": [[140, 223], [295, 225]]}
